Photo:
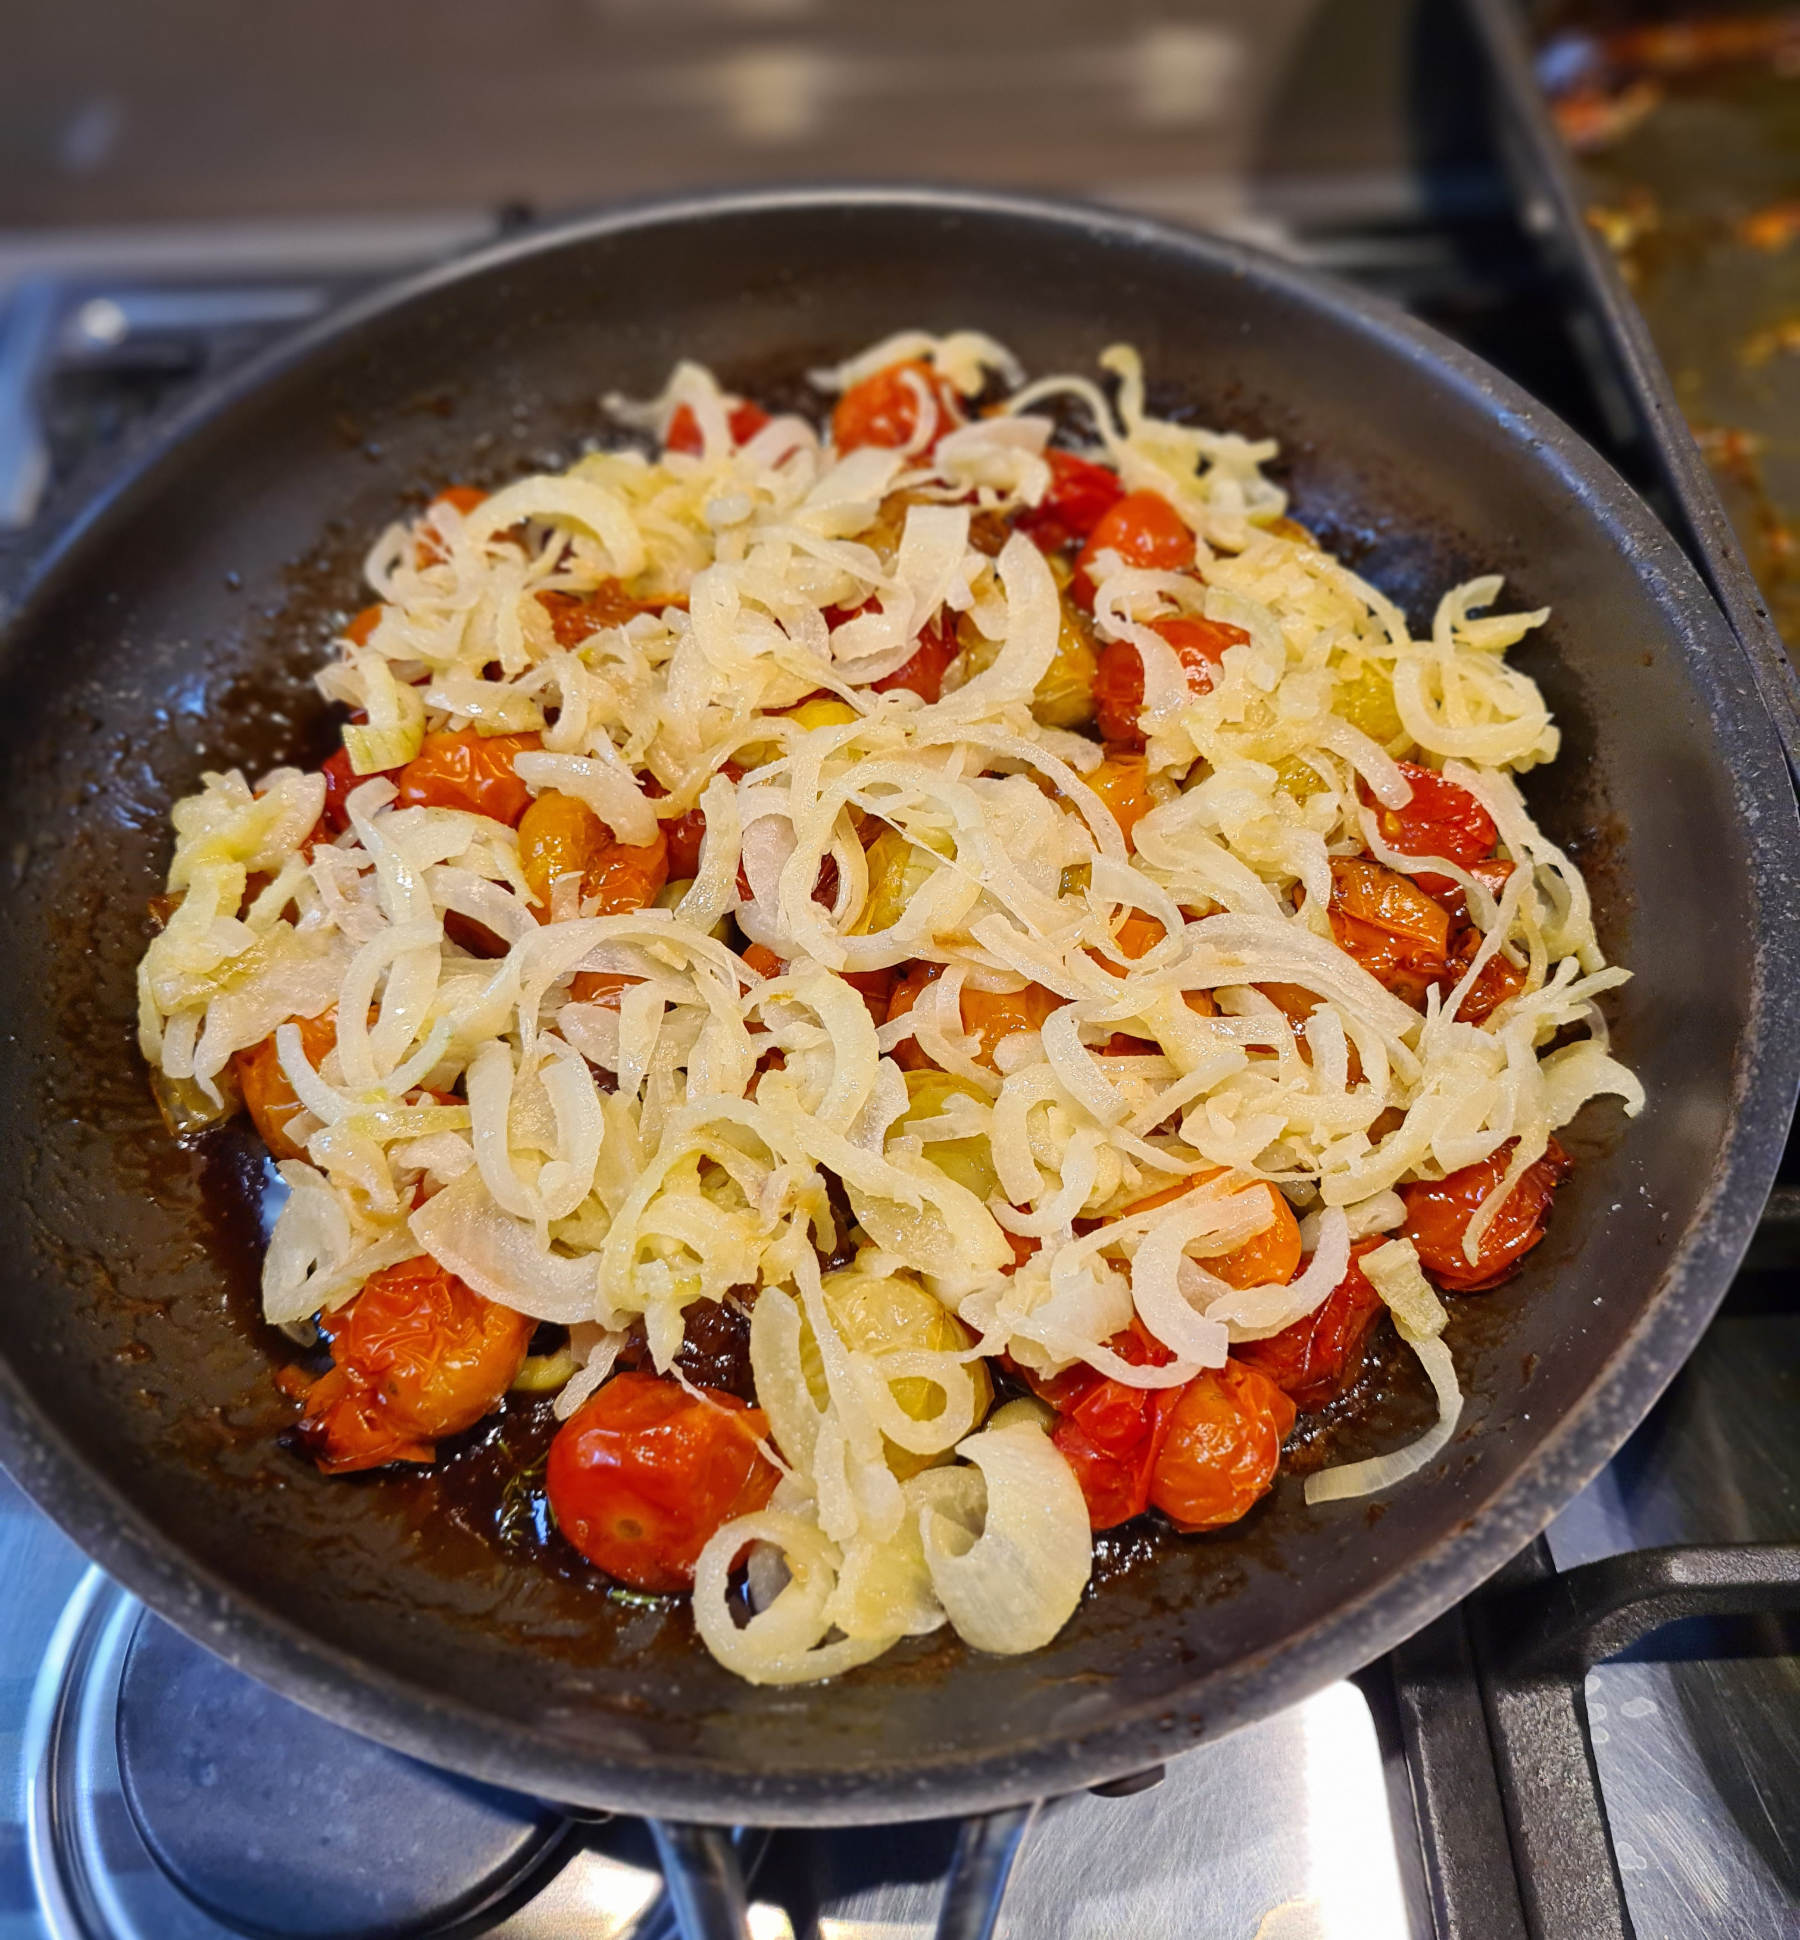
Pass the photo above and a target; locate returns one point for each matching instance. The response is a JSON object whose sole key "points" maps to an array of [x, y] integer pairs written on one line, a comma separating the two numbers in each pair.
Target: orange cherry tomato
{"points": [[360, 629], [1441, 819], [469, 771], [417, 1355], [986, 1014], [460, 498], [1222, 1447], [1080, 495], [560, 836], [1268, 1258], [743, 419], [1144, 529], [1438, 1214], [642, 1475], [1313, 1361], [1119, 686], [1400, 935], [1121, 781], [884, 409], [924, 673], [270, 1100]]}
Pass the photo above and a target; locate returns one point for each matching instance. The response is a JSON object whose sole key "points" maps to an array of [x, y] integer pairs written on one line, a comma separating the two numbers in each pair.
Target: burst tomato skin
{"points": [[270, 1100], [643, 1473], [1438, 1214], [575, 616], [415, 1356], [1222, 1447], [427, 551], [1080, 495], [1119, 686], [470, 771], [561, 836], [1111, 1433], [1441, 819], [924, 673], [1400, 935], [1144, 529], [743, 419], [1313, 1361], [884, 408]]}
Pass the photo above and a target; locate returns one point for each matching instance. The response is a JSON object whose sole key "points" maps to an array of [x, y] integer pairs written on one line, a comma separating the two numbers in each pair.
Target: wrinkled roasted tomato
{"points": [[1222, 1447], [1119, 686], [270, 1100], [885, 409], [742, 420], [1144, 529], [470, 771], [644, 1472], [561, 837], [1316, 1359], [1438, 1214], [417, 1355], [1081, 494]]}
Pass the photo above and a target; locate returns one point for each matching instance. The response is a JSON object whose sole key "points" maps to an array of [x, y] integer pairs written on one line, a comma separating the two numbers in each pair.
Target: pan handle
{"points": [[704, 1879], [985, 1850]]}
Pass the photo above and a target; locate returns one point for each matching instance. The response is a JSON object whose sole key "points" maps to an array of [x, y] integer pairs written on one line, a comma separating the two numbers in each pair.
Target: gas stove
{"points": [[1604, 1742]]}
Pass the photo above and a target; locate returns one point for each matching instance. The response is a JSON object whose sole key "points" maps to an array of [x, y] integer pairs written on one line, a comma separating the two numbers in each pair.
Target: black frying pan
{"points": [[173, 630]]}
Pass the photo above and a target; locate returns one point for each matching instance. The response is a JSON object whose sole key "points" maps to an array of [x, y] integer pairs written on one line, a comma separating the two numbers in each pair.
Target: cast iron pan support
{"points": [[705, 1878]]}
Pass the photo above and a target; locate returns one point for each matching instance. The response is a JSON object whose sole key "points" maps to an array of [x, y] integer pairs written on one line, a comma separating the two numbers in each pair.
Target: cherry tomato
{"points": [[359, 631], [1222, 1448], [1400, 935], [1080, 495], [270, 1100], [1144, 529], [1498, 981], [884, 409], [601, 987], [684, 835], [642, 1475], [340, 780], [560, 836], [1313, 1361], [1121, 782], [743, 419], [1438, 1214], [924, 673], [1119, 687], [427, 551], [986, 1014], [417, 1355], [1441, 819], [1268, 1258], [1111, 1433], [469, 771], [575, 616]]}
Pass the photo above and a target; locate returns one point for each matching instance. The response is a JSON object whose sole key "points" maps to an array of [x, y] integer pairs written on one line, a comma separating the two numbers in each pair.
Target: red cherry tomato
{"points": [[743, 419], [1111, 1433], [1144, 529], [1222, 1448], [924, 673], [1313, 1361], [884, 409], [340, 780], [1119, 686], [1441, 819], [469, 771], [1438, 1214], [1080, 495], [642, 1475], [415, 1356]]}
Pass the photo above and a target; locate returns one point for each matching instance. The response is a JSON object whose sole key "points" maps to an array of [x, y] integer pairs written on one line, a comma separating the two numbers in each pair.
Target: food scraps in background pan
{"points": [[952, 982]]}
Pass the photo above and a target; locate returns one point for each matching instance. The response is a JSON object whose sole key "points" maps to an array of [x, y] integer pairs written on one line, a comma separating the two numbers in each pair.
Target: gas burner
{"points": [[169, 1797], [286, 1827]]}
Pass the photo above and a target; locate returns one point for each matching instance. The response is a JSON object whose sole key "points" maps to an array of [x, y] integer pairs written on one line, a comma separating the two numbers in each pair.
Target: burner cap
{"points": [[286, 1827]]}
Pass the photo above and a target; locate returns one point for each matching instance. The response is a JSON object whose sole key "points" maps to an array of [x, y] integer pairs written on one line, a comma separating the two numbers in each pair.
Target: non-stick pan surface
{"points": [[172, 632]]}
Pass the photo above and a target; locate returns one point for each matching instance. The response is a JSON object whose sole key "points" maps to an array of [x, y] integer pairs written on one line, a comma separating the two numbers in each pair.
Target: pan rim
{"points": [[443, 1730]]}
